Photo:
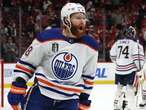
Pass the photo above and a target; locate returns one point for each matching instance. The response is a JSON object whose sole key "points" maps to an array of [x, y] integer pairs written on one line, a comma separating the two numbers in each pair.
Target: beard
{"points": [[78, 31]]}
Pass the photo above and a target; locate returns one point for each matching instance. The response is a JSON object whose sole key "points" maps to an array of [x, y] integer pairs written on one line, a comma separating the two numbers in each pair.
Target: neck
{"points": [[67, 33]]}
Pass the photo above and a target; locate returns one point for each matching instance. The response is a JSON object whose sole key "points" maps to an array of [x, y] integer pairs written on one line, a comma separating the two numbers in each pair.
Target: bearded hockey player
{"points": [[63, 62], [128, 56]]}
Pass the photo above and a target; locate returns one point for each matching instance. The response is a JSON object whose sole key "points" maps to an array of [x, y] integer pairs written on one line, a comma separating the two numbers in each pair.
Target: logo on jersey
{"points": [[55, 47], [64, 65]]}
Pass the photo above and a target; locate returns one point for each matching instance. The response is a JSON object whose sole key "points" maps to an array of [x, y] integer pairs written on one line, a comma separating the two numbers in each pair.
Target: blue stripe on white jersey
{"points": [[138, 57], [57, 87], [55, 81], [27, 64], [85, 87], [128, 67], [19, 71], [59, 92], [25, 69], [88, 77]]}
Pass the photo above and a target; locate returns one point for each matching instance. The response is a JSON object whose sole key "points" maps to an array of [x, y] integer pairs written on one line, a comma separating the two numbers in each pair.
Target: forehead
{"points": [[78, 14]]}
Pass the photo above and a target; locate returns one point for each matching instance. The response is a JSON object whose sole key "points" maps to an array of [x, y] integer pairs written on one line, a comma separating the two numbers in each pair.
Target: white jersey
{"points": [[64, 67], [128, 55]]}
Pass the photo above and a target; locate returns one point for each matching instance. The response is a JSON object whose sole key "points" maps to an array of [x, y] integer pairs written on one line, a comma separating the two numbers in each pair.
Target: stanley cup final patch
{"points": [[55, 47]]}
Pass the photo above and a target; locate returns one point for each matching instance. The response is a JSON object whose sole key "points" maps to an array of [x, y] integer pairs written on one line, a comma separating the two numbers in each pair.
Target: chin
{"points": [[78, 32], [81, 33]]}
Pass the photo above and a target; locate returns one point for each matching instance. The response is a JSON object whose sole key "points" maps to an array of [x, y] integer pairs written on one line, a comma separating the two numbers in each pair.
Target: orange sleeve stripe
{"points": [[88, 82], [17, 90], [63, 88], [16, 107], [24, 69], [83, 107]]}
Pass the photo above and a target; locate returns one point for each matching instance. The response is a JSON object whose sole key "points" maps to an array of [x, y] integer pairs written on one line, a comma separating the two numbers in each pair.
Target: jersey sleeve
{"points": [[113, 53], [27, 64], [138, 55], [89, 73]]}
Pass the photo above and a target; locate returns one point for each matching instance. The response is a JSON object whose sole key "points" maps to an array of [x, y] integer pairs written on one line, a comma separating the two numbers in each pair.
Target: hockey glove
{"points": [[84, 103], [16, 93]]}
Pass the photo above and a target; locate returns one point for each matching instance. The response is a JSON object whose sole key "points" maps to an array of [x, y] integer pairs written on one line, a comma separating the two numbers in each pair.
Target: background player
{"points": [[128, 56], [64, 61]]}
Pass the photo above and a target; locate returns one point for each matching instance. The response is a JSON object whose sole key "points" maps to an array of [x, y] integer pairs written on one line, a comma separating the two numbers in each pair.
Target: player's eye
{"points": [[79, 17]]}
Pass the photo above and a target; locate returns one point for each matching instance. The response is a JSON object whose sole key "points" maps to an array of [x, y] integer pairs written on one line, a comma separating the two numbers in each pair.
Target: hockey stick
{"points": [[139, 92], [138, 55], [28, 95], [140, 80]]}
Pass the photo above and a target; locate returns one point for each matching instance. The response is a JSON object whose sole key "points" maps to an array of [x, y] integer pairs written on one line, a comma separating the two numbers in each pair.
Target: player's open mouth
{"points": [[81, 28]]}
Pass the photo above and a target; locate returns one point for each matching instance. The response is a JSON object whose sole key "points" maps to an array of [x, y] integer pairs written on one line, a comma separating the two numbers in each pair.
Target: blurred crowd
{"points": [[21, 20]]}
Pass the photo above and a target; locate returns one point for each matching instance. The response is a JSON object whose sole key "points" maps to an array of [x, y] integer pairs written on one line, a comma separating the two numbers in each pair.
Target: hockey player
{"points": [[64, 61], [128, 56]]}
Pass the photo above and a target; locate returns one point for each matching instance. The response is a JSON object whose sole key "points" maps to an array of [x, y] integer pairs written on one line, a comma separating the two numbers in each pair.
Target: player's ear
{"points": [[66, 22]]}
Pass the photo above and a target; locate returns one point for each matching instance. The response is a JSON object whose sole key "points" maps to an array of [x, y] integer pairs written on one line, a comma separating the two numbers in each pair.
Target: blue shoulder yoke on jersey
{"points": [[88, 40], [54, 33]]}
